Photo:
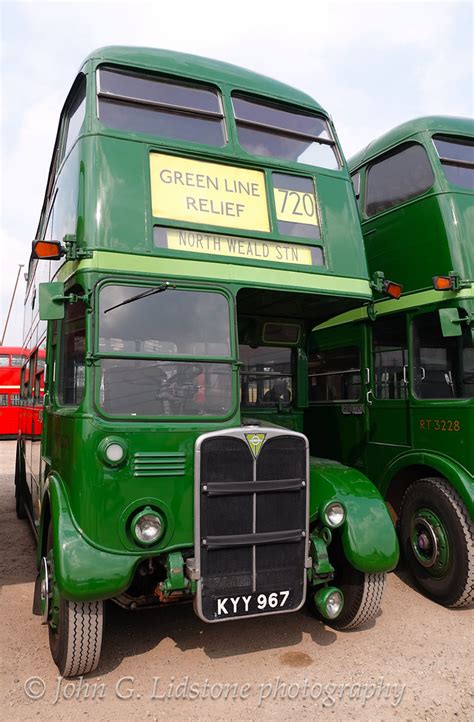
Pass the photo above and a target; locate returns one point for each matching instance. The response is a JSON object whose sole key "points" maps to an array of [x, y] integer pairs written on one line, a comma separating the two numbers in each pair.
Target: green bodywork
{"points": [[101, 194], [397, 441], [429, 235], [386, 439]]}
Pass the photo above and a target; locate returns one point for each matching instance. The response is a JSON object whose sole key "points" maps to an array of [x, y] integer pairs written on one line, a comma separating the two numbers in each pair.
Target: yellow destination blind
{"points": [[230, 246], [208, 193], [295, 206]]}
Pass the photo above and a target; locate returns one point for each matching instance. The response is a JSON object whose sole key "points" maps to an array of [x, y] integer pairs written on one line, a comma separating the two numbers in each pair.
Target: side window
{"points": [[72, 354], [443, 367], [390, 354], [402, 175], [75, 115], [335, 375]]}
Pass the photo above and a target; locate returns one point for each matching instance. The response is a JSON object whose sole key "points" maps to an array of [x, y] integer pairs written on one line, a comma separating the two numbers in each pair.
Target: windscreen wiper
{"points": [[149, 292]]}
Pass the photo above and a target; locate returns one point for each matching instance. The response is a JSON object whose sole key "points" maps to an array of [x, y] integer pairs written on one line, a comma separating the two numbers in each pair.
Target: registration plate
{"points": [[255, 603]]}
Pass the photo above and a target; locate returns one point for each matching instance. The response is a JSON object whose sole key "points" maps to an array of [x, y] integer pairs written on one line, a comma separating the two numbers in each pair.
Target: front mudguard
{"points": [[368, 535], [82, 572]]}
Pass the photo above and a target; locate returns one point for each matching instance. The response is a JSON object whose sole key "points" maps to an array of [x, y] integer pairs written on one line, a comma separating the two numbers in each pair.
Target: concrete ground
{"points": [[414, 663]]}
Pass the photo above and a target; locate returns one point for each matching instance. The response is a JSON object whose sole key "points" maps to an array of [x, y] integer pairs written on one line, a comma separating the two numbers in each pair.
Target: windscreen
{"points": [[167, 335]]}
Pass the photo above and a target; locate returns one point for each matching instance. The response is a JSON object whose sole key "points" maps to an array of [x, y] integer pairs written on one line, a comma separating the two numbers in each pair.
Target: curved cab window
{"points": [[158, 106], [405, 174], [457, 159]]}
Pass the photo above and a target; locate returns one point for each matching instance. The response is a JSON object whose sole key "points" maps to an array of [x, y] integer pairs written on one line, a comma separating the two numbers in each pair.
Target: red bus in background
{"points": [[21, 393], [11, 361]]}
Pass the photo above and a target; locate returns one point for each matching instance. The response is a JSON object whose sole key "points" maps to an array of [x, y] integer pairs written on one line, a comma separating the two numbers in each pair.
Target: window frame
{"points": [[444, 160], [280, 130], [414, 356], [159, 105], [406, 356], [231, 360], [59, 366], [180, 286]]}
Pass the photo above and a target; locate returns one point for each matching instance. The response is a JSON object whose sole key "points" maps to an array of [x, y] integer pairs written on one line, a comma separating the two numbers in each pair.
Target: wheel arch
{"points": [[409, 468]]}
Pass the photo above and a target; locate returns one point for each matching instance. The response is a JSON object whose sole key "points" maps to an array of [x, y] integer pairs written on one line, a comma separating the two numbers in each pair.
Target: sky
{"points": [[372, 65]]}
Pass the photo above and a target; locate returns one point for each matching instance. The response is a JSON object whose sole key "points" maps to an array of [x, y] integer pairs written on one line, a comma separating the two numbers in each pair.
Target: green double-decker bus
{"points": [[391, 384], [199, 220]]}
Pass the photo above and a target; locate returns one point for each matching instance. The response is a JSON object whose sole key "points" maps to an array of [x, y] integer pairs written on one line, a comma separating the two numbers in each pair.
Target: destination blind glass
{"points": [[213, 194], [221, 246], [295, 206]]}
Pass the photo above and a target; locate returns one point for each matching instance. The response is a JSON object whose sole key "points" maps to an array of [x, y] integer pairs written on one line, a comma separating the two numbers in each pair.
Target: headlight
{"points": [[112, 451], [147, 526], [329, 602], [333, 514]]}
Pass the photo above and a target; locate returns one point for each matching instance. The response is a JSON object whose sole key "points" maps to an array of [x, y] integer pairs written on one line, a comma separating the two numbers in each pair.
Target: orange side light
{"points": [[47, 249], [442, 283], [394, 290]]}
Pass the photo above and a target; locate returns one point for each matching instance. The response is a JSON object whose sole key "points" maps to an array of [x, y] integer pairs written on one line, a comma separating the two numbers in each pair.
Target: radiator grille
{"points": [[158, 463], [252, 518]]}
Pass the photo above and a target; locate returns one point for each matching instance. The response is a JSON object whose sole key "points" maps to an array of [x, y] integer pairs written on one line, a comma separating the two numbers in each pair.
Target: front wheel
{"points": [[437, 540], [75, 628], [363, 594], [363, 591]]}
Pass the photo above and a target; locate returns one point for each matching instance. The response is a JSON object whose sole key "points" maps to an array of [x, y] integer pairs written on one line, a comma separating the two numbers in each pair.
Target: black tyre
{"points": [[363, 591], [437, 541], [19, 494], [75, 629], [363, 594]]}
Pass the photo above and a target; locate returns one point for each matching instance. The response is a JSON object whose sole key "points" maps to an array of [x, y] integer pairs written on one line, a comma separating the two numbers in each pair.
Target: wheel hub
{"points": [[429, 542]]}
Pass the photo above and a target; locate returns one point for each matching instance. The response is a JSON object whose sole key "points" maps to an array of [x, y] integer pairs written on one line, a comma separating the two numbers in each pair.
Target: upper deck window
{"points": [[457, 159], [160, 107], [402, 175], [277, 132]]}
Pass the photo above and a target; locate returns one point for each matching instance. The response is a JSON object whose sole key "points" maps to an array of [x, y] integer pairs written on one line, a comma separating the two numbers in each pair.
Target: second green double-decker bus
{"points": [[391, 384], [199, 220]]}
